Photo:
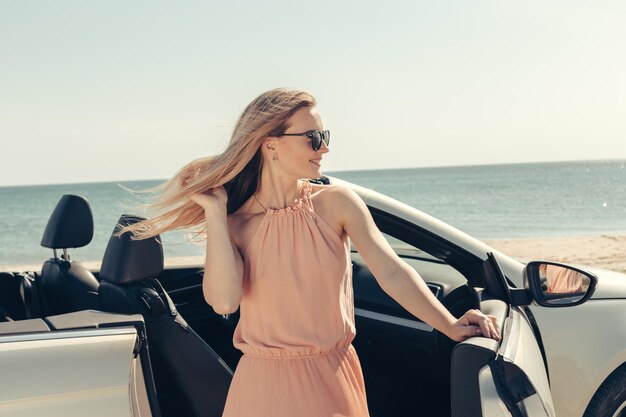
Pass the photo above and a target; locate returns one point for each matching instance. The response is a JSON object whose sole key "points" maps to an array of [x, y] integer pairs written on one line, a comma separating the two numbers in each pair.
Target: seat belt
{"points": [[159, 288]]}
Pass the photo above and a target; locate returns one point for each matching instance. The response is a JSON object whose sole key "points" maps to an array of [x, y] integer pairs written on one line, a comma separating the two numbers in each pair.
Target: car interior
{"points": [[406, 363]]}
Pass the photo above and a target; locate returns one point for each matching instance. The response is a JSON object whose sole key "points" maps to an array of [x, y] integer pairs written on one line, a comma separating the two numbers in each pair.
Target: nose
{"points": [[323, 148]]}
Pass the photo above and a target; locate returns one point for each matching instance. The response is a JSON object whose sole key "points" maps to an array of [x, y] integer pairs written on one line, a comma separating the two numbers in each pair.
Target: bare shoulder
{"points": [[336, 196], [337, 204]]}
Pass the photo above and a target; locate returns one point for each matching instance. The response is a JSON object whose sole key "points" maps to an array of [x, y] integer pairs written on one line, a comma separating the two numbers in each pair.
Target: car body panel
{"points": [[68, 372], [602, 325]]}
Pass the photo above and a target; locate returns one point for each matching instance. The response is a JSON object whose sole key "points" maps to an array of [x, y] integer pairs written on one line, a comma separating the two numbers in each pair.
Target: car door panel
{"points": [[506, 378], [524, 370], [490, 402], [470, 359], [63, 374], [70, 363]]}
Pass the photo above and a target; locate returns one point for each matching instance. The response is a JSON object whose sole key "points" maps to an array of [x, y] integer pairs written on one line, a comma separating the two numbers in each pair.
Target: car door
{"points": [[500, 378], [76, 364]]}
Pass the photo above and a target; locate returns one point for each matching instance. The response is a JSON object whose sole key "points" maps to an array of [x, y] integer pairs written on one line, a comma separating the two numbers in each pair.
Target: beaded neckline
{"points": [[304, 193]]}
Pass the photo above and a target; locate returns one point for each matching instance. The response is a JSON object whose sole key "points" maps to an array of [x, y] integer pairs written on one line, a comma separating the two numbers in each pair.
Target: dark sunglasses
{"points": [[316, 136]]}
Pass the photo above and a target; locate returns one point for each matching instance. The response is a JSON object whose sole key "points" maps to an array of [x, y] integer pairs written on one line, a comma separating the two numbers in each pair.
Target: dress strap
{"points": [[257, 200], [306, 197], [306, 193]]}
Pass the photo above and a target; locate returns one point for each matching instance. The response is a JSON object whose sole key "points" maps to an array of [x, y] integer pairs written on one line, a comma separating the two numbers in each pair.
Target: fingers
{"points": [[475, 323], [485, 328], [488, 325], [496, 327], [467, 331]]}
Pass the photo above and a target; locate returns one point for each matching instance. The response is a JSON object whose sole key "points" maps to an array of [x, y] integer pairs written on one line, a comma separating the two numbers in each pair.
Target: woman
{"points": [[278, 249], [561, 280]]}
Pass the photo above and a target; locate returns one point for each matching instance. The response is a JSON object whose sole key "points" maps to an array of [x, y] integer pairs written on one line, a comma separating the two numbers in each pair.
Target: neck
{"points": [[276, 191]]}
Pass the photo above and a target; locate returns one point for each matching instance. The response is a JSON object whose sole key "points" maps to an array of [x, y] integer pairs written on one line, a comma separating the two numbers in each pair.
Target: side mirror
{"points": [[553, 284]]}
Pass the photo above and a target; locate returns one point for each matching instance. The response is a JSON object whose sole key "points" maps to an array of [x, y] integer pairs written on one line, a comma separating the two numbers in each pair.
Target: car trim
{"points": [[399, 321], [436, 289], [181, 289], [511, 327], [66, 334]]}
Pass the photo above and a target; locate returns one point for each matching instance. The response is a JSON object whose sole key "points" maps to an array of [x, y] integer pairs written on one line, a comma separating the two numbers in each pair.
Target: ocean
{"points": [[488, 201]]}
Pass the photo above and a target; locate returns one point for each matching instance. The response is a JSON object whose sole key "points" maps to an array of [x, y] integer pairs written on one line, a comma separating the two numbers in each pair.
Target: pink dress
{"points": [[296, 321], [563, 280]]}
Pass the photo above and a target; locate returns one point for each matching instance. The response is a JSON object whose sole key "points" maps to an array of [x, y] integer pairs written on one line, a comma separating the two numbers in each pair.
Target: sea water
{"points": [[487, 201]]}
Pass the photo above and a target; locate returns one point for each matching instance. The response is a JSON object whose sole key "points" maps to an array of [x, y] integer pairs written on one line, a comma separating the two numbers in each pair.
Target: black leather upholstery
{"points": [[66, 286], [11, 304], [191, 379], [126, 261], [70, 225]]}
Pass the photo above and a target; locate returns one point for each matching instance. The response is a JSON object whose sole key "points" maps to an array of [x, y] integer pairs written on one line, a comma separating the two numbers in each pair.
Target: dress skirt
{"points": [[328, 384]]}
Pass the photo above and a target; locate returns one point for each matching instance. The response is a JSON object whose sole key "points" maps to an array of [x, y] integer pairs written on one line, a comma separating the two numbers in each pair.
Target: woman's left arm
{"points": [[400, 280]]}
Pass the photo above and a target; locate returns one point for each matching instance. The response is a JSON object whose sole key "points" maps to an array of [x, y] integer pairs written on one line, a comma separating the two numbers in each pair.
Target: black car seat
{"points": [[11, 306], [191, 379], [66, 286], [18, 297]]}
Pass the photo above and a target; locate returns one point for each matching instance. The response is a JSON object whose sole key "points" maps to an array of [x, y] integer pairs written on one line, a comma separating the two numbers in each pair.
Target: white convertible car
{"points": [[135, 339]]}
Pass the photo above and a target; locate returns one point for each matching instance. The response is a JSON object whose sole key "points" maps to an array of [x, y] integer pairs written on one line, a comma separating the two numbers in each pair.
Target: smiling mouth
{"points": [[317, 162]]}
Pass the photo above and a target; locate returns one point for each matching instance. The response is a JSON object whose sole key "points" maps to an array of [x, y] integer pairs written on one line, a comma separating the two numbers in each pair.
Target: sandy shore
{"points": [[604, 251]]}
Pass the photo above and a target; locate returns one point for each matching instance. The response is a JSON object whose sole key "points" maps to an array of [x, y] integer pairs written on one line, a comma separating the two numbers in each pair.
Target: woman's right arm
{"points": [[223, 271]]}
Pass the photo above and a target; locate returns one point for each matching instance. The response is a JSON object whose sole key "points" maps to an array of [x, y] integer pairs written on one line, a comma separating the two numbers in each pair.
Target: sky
{"points": [[114, 90]]}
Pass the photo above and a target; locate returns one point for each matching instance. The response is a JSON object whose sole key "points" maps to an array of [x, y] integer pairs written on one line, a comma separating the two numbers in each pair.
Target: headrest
{"points": [[70, 225], [127, 261]]}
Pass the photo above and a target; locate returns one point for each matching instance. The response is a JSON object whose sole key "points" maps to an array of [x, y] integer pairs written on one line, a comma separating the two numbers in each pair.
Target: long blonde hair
{"points": [[238, 168]]}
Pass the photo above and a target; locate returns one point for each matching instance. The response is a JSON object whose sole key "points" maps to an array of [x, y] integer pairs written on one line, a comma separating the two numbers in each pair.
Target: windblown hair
{"points": [[237, 168]]}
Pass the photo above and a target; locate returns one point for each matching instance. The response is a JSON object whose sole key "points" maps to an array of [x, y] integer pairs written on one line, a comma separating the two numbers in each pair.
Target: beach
{"points": [[607, 251]]}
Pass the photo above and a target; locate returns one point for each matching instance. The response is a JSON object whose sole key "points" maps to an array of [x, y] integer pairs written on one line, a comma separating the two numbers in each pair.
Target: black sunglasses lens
{"points": [[316, 140], [317, 137], [326, 137]]}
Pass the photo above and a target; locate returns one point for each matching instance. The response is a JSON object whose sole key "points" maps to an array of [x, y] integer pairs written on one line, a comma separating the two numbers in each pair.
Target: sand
{"points": [[606, 251]]}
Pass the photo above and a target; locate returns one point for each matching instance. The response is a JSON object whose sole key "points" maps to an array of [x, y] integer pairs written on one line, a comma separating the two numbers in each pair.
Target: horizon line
{"points": [[340, 170]]}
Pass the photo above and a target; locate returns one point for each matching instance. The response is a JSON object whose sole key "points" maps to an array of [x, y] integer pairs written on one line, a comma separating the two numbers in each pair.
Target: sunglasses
{"points": [[316, 136]]}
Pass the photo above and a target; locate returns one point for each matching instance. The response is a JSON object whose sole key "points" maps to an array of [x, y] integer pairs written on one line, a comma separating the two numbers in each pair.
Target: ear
{"points": [[270, 143]]}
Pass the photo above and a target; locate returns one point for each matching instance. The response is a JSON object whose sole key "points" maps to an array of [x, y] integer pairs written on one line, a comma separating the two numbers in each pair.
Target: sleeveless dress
{"points": [[296, 321]]}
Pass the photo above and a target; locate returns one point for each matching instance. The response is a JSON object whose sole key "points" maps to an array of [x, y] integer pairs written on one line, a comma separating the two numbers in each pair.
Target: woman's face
{"points": [[294, 153]]}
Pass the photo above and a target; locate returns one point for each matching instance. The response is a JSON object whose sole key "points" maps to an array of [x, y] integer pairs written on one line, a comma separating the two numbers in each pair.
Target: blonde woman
{"points": [[277, 249]]}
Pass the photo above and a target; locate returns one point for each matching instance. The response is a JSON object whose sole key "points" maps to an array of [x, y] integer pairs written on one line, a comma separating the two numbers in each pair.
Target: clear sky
{"points": [[121, 90]]}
